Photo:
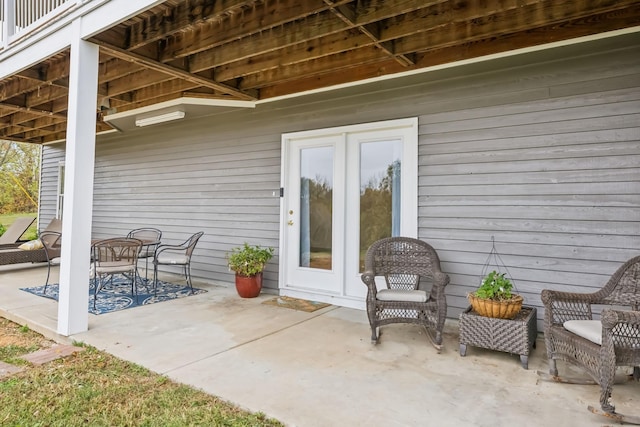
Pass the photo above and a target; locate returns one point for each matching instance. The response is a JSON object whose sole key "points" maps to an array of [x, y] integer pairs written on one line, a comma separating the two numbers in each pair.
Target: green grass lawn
{"points": [[96, 389], [32, 232]]}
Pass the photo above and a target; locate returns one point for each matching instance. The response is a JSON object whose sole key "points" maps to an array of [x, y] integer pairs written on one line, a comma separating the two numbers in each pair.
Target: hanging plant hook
{"points": [[497, 262]]}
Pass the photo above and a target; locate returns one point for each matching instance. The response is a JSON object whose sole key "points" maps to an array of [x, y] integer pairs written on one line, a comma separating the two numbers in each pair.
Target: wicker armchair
{"points": [[580, 341], [402, 263]]}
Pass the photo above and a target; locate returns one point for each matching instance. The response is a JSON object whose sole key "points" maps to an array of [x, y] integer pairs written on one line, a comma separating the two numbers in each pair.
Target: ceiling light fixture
{"points": [[160, 118]]}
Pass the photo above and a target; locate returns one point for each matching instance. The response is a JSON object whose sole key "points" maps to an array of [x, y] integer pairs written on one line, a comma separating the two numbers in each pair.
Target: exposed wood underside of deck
{"points": [[260, 49]]}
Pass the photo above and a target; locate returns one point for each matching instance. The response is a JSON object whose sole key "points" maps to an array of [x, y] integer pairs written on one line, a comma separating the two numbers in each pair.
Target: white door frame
{"points": [[409, 194]]}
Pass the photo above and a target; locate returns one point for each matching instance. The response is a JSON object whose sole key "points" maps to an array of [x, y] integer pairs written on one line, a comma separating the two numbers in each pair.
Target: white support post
{"points": [[9, 21], [78, 187]]}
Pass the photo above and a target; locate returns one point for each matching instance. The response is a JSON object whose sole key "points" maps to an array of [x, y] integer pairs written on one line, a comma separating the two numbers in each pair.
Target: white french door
{"points": [[344, 188]]}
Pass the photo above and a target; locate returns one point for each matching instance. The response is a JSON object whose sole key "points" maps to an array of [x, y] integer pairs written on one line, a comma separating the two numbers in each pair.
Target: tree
{"points": [[376, 207], [19, 177]]}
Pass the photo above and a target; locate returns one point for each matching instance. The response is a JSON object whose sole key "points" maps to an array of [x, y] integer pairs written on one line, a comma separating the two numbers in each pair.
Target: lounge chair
{"points": [[12, 254], [12, 234]]}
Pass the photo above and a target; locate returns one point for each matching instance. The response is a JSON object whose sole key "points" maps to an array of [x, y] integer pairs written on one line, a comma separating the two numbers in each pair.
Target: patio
{"points": [[319, 368]]}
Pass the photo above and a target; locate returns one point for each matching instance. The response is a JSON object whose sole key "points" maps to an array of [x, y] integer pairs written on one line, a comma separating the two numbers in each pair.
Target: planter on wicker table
{"points": [[516, 336]]}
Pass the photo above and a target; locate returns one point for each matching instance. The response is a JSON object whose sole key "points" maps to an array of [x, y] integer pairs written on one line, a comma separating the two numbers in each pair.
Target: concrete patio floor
{"points": [[320, 369]]}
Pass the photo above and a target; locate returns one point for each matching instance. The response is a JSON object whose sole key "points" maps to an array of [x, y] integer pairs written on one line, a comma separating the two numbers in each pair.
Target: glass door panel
{"points": [[316, 207], [314, 247], [380, 196]]}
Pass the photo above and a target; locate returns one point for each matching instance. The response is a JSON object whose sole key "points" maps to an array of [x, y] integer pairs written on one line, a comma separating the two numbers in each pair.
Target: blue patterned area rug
{"points": [[116, 295]]}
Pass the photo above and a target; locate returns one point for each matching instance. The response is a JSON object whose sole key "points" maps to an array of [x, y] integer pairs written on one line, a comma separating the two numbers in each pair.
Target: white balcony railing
{"points": [[19, 17]]}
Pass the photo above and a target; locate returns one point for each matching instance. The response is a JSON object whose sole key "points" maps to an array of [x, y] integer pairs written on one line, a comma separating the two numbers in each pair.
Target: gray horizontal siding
{"points": [[52, 155], [541, 157], [182, 181], [554, 180]]}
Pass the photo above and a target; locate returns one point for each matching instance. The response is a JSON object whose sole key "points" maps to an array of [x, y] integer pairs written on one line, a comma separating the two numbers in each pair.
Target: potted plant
{"points": [[494, 297], [248, 263]]}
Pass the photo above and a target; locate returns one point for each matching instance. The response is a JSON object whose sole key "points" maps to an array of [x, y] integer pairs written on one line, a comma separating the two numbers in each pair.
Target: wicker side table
{"points": [[516, 336]]}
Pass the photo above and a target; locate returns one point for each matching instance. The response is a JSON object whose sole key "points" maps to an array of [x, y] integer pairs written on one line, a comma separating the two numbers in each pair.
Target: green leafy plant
{"points": [[495, 286], [249, 260]]}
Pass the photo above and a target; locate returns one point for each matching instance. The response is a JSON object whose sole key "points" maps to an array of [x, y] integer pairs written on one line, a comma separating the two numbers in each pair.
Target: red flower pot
{"points": [[249, 287]]}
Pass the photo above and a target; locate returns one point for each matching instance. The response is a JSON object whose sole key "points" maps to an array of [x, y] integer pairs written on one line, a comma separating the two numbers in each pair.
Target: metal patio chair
{"points": [[114, 256], [176, 255], [151, 238], [402, 265], [52, 246], [597, 346]]}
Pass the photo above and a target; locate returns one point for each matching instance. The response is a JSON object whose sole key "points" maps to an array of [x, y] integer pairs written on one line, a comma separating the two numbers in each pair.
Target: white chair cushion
{"points": [[113, 267], [172, 259], [401, 295], [588, 329]]}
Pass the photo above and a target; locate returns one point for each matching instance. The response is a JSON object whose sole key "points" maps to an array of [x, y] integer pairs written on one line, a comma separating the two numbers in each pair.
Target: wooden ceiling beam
{"points": [[312, 27], [15, 86], [342, 61], [135, 81], [419, 19], [543, 14], [262, 18], [32, 110], [55, 137], [172, 71], [160, 97], [19, 118], [456, 33], [608, 21], [349, 16], [373, 11], [50, 70], [56, 105], [53, 130], [25, 82], [30, 132], [301, 52], [11, 131], [39, 92], [44, 122], [185, 15], [277, 38], [168, 87], [15, 130], [44, 95], [115, 68], [374, 69]]}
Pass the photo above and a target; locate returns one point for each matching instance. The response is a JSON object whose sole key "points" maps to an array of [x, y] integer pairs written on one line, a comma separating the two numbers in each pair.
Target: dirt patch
{"points": [[12, 334]]}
